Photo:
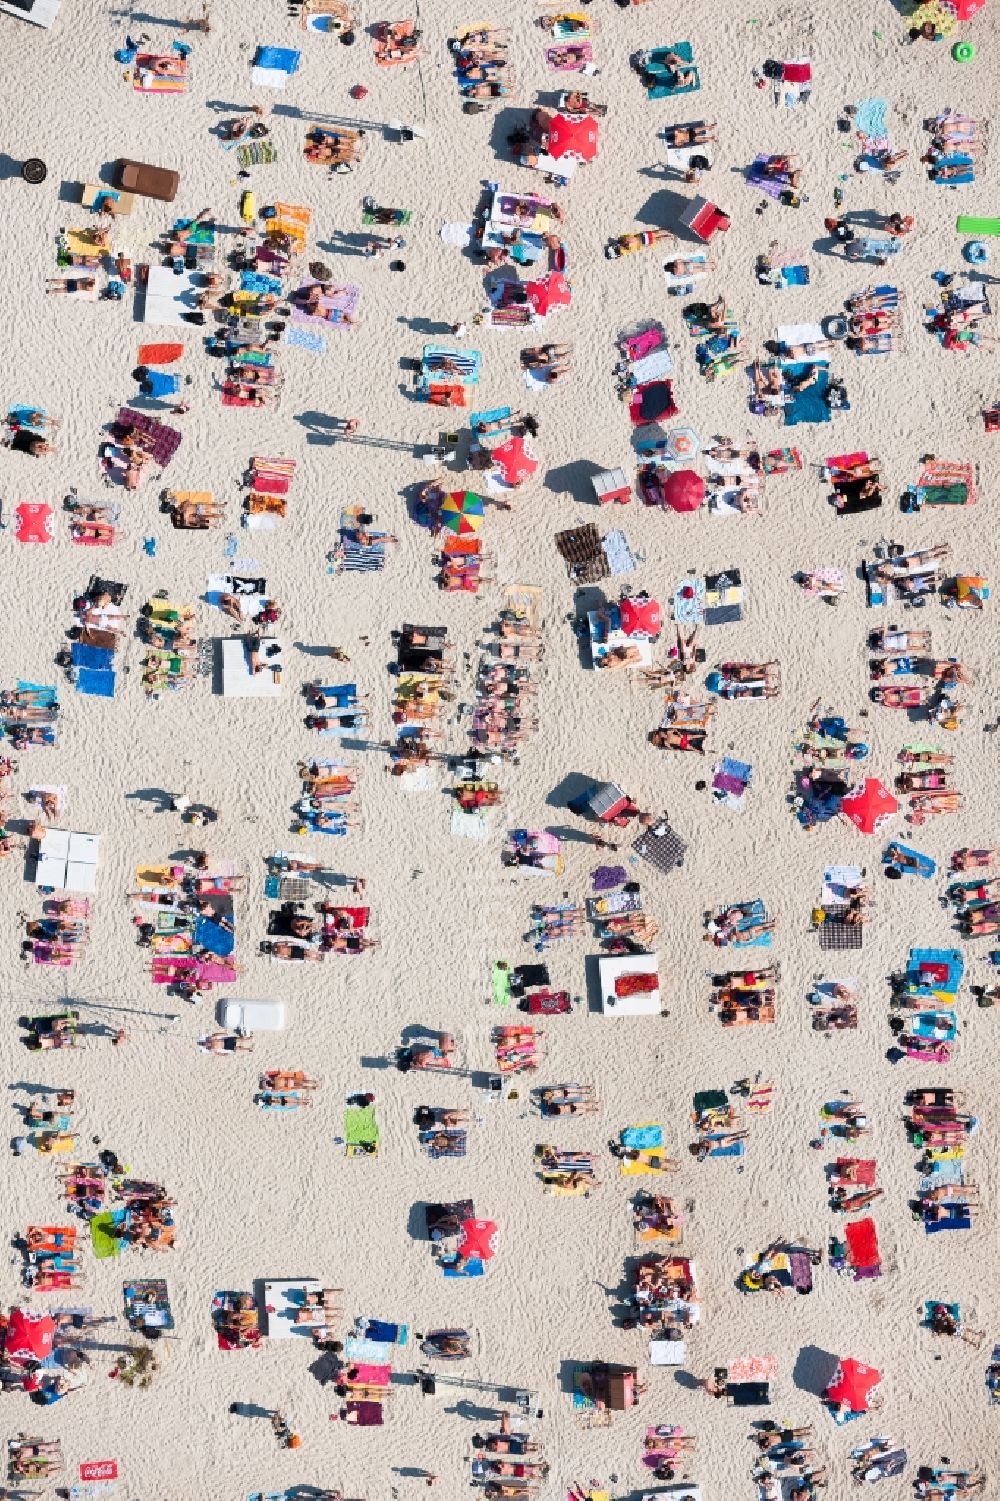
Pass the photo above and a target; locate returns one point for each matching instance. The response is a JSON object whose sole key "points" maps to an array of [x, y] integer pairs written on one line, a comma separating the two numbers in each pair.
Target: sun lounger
{"points": [[251, 1016]]}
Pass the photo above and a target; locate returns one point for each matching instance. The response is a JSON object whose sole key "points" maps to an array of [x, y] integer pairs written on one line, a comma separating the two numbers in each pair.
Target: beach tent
{"points": [[870, 806]]}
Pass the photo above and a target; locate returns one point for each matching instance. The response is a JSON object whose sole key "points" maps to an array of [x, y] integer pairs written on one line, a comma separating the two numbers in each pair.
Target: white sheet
{"points": [[282, 1300], [653, 366], [647, 1003], [167, 295], [838, 882], [237, 679]]}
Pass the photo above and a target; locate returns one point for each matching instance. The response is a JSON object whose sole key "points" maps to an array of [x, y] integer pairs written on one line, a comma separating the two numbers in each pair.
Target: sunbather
{"points": [[671, 65], [67, 285]]}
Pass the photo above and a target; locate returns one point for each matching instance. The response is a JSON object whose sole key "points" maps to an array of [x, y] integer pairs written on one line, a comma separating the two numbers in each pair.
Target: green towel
{"points": [[501, 983], [360, 1126], [967, 224], [405, 216], [105, 1245]]}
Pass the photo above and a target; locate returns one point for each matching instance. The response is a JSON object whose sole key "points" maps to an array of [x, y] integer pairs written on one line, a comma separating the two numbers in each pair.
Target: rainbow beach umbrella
{"points": [[462, 512]]}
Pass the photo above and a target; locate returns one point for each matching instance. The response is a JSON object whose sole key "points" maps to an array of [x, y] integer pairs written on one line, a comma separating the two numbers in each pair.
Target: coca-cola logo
{"points": [[100, 1469]]}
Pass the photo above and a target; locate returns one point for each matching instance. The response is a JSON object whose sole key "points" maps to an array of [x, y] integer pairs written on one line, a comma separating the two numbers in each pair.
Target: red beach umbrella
{"points": [[870, 806], [641, 617], [478, 1239], [29, 1335], [966, 9], [515, 460], [853, 1383], [551, 292], [573, 137], [684, 490]]}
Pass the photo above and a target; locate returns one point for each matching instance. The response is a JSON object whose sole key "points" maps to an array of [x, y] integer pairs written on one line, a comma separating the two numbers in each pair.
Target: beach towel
{"points": [[159, 354], [213, 937], [361, 1131], [371, 1351], [104, 1243], [870, 118], [808, 405], [642, 1137], [835, 933], [339, 307], [862, 1247], [273, 66], [956, 159], [305, 338], [256, 154], [657, 72], [95, 683], [756, 178], [579, 61], [365, 1414], [500, 982]]}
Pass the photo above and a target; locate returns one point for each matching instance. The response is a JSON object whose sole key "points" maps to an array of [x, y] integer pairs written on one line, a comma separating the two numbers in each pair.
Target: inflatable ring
{"points": [[976, 253], [963, 52]]}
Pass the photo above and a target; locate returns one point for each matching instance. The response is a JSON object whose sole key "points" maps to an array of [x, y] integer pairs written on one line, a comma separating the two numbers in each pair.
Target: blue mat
{"points": [[97, 657], [808, 405], [285, 58], [213, 937], [958, 159], [95, 683], [473, 1268]]}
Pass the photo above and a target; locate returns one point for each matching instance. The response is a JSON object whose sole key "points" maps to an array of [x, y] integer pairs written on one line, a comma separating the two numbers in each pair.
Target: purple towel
{"points": [[607, 877], [726, 783]]}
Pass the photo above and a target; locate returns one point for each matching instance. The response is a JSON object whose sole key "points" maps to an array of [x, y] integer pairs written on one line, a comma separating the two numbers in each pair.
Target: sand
{"points": [[266, 1196]]}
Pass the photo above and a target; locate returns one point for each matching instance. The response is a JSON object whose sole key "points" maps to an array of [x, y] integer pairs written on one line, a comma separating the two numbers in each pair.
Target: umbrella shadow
{"points": [[592, 983], [574, 479], [814, 1369], [663, 210], [572, 786], [504, 122]]}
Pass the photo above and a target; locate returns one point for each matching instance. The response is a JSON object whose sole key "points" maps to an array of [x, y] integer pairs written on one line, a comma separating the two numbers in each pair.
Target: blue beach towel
{"points": [[285, 59], [870, 118], [95, 683], [808, 405]]}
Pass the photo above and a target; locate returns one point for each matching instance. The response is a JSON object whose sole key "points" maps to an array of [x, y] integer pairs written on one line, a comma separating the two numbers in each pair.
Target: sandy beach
{"points": [[262, 1195]]}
